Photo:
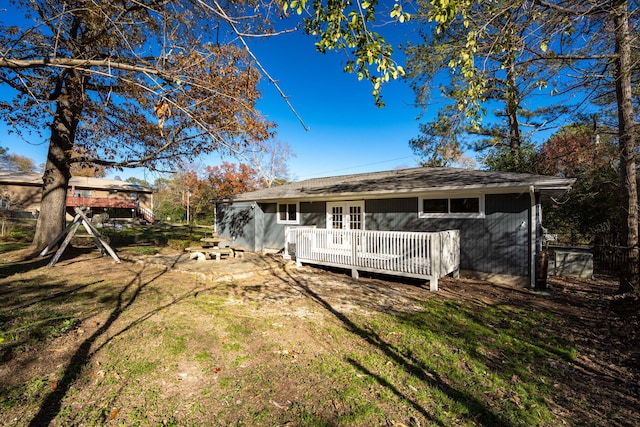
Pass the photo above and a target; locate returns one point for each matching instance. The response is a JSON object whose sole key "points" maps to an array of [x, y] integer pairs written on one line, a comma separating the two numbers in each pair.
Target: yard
{"points": [[158, 340]]}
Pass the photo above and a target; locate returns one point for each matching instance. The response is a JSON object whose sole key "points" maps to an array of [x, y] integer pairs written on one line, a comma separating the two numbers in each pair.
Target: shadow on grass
{"points": [[125, 297], [8, 269], [409, 364]]}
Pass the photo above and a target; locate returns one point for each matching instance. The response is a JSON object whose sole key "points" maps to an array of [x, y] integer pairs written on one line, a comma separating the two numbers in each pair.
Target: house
{"points": [[497, 215], [21, 193]]}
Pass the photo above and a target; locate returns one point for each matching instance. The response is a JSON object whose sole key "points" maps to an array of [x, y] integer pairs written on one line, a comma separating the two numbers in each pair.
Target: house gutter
{"points": [[534, 238]]}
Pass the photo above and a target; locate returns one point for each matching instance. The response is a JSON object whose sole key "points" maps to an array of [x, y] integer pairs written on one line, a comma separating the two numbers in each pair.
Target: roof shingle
{"points": [[413, 180]]}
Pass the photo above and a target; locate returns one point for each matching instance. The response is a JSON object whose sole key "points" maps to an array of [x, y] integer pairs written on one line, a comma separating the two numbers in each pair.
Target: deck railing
{"points": [[111, 202], [101, 202], [428, 256], [147, 214]]}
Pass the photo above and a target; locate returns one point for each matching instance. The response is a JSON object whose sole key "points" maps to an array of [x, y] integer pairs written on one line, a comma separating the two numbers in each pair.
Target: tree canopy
{"points": [[146, 82], [128, 83], [592, 46], [15, 162]]}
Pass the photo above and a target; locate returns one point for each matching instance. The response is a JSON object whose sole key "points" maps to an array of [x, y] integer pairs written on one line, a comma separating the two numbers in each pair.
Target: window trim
{"points": [[287, 221], [449, 214]]}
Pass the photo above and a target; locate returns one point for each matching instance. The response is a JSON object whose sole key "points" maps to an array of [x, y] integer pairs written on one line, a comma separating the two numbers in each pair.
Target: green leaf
{"points": [[544, 45]]}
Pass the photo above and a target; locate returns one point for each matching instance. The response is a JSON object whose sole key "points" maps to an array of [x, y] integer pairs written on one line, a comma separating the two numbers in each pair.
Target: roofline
{"points": [[485, 189], [35, 180]]}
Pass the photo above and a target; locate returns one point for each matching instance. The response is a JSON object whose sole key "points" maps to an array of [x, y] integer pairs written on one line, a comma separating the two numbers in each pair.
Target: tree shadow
{"points": [[17, 267], [410, 364], [125, 298]]}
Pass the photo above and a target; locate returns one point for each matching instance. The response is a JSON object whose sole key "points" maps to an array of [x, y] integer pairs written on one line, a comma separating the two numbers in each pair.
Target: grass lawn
{"points": [[91, 342]]}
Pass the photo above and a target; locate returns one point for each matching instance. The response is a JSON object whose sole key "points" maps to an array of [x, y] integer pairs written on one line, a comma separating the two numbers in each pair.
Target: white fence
{"points": [[427, 256]]}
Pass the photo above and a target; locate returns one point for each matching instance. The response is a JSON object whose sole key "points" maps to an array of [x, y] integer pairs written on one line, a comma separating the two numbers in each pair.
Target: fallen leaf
{"points": [[114, 413], [516, 400]]}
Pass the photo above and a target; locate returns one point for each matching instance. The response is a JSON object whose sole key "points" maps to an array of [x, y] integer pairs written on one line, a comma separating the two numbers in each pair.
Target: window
{"points": [[287, 213], [452, 207], [465, 205], [432, 206]]}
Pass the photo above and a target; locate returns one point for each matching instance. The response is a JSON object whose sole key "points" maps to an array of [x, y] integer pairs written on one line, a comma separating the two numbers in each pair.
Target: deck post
{"points": [[433, 284], [354, 255], [436, 254], [286, 244]]}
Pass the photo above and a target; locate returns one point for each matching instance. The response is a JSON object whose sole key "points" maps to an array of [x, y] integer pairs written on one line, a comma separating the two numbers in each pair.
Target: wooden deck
{"points": [[428, 256]]}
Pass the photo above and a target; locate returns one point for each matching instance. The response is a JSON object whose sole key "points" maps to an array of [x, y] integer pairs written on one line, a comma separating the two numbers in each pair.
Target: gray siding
{"points": [[497, 243], [237, 222], [313, 214], [273, 232]]}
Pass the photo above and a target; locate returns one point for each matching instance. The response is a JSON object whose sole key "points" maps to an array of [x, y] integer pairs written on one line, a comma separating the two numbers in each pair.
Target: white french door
{"points": [[344, 216]]}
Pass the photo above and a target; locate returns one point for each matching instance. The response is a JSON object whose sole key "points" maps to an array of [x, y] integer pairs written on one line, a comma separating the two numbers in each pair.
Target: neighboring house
{"points": [[498, 214], [21, 193]]}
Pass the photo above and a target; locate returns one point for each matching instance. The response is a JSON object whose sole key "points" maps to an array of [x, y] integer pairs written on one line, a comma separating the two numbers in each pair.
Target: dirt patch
{"points": [[280, 320]]}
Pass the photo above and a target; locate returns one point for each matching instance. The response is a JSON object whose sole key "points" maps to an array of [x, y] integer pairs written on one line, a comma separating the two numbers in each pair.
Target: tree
{"points": [[508, 78], [502, 158], [269, 160], [576, 149], [229, 179], [345, 26], [138, 181], [167, 200], [594, 39], [588, 214], [128, 83], [15, 162], [83, 168]]}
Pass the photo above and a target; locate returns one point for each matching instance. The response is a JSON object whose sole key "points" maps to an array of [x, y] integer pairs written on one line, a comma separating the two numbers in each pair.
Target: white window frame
{"points": [[288, 221], [449, 214]]}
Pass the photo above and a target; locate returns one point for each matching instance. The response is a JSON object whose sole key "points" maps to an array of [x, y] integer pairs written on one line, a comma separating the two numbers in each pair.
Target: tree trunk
{"points": [[630, 277], [51, 221], [512, 104]]}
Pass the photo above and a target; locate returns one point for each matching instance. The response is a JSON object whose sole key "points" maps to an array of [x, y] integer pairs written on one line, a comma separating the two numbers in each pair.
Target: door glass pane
{"points": [[336, 217], [355, 218]]}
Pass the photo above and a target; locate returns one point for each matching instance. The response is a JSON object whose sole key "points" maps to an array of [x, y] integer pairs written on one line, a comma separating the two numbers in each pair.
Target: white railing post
{"points": [[286, 255], [436, 259], [354, 253]]}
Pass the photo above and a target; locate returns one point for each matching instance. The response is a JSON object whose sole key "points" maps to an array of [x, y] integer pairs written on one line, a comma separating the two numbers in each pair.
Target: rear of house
{"points": [[498, 215], [21, 192]]}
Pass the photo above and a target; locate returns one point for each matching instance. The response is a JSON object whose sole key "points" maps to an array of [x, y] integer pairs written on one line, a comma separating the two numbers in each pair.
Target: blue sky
{"points": [[348, 133]]}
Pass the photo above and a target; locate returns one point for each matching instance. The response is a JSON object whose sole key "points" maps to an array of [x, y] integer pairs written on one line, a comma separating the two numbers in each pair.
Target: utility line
{"points": [[353, 167]]}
